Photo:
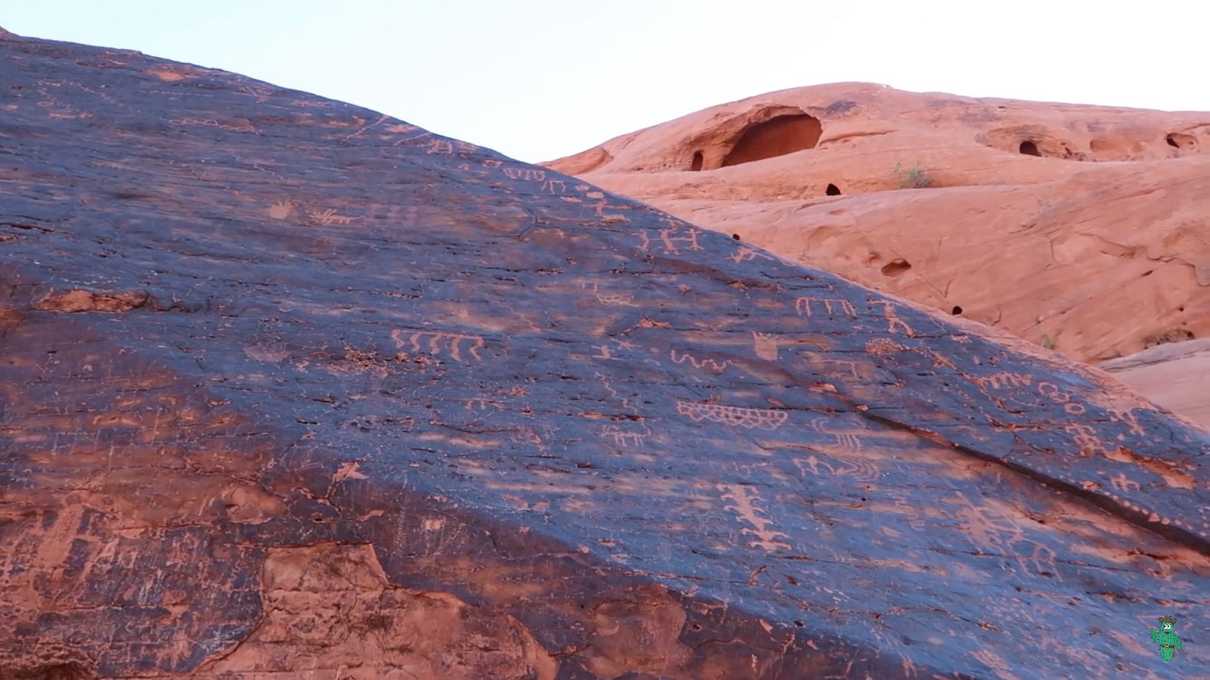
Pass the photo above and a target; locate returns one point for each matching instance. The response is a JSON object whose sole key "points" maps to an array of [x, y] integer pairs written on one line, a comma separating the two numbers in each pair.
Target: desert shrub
{"points": [[914, 178]]}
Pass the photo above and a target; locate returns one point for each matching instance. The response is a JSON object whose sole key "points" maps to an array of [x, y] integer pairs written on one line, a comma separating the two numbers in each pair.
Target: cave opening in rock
{"points": [[1029, 148], [832, 190], [957, 310], [777, 136], [735, 236], [697, 161]]}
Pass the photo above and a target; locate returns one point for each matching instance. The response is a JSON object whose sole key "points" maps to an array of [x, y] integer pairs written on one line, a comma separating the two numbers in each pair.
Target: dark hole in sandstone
{"points": [[1029, 148], [697, 161], [775, 137], [957, 310], [1181, 140], [735, 236], [896, 267], [832, 190]]}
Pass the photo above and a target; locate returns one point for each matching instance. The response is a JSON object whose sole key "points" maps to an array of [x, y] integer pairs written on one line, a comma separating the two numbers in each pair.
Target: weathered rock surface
{"points": [[1081, 228], [292, 389], [1172, 375]]}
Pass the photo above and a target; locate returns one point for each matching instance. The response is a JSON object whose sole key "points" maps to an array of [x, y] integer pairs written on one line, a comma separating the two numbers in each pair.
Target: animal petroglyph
{"points": [[994, 530], [734, 416], [803, 306], [843, 441], [892, 317], [624, 438], [744, 504], [706, 364], [883, 346], [765, 346], [618, 300], [1127, 416], [437, 342], [744, 254]]}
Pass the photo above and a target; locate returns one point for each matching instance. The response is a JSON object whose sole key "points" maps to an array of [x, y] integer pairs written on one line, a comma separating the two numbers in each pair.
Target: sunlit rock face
{"points": [[290, 388]]}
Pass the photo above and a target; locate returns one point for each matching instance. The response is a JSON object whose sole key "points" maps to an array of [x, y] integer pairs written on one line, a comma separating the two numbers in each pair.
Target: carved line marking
{"points": [[734, 416], [707, 364], [892, 317], [437, 339], [802, 305]]}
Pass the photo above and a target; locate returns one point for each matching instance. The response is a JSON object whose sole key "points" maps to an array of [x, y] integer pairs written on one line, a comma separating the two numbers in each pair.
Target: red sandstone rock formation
{"points": [[289, 388], [1081, 228]]}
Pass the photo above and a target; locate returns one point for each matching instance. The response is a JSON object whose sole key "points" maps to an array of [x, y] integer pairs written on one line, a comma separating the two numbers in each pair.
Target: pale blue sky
{"points": [[540, 79]]}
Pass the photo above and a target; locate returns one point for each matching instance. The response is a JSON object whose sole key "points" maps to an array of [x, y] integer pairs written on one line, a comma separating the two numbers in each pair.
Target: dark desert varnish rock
{"points": [[288, 386]]}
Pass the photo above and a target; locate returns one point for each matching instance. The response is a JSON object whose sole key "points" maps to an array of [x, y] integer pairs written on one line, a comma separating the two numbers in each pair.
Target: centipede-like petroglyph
{"points": [[803, 306], [744, 501], [439, 342], [705, 364], [734, 416]]}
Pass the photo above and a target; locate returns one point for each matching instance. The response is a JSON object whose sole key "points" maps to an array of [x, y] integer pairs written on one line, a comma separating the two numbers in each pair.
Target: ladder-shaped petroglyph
{"points": [[803, 306], [701, 364], [892, 317], [765, 346], [438, 343], [733, 416], [744, 501]]}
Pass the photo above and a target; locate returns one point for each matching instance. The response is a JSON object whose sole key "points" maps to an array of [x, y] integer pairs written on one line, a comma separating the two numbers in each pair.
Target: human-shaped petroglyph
{"points": [[524, 174], [765, 346], [701, 364], [1001, 380], [892, 317], [804, 304], [734, 416], [744, 501], [554, 186], [440, 342]]}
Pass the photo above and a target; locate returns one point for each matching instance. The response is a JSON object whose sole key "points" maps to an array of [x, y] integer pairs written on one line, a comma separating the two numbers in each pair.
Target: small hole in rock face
{"points": [[896, 267], [697, 161], [735, 236], [1029, 148], [957, 310], [1172, 142], [832, 190]]}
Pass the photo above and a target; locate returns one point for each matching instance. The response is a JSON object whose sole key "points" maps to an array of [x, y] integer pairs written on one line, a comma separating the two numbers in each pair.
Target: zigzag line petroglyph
{"points": [[734, 416], [437, 339], [744, 501], [707, 364]]}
